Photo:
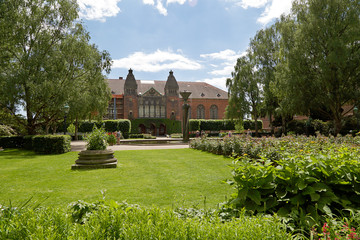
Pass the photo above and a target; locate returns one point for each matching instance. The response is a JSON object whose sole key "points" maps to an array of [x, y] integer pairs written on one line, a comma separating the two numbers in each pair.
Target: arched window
{"points": [[213, 112], [200, 112]]}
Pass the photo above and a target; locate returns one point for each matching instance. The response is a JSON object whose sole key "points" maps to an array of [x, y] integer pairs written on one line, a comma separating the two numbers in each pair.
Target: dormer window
{"points": [[218, 95], [202, 94]]}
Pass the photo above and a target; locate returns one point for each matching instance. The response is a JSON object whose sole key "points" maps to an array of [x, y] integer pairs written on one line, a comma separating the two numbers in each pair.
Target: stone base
{"points": [[95, 159]]}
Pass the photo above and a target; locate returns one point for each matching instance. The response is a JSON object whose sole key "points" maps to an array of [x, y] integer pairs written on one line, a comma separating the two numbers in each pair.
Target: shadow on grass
{"points": [[12, 153]]}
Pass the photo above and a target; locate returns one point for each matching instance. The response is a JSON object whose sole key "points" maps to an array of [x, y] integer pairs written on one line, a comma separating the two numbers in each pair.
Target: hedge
{"points": [[51, 143], [123, 125], [220, 125], [172, 126], [11, 141], [38, 143]]}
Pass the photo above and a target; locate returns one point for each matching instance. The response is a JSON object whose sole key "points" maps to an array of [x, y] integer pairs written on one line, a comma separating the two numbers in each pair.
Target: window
{"points": [[200, 112], [213, 112]]}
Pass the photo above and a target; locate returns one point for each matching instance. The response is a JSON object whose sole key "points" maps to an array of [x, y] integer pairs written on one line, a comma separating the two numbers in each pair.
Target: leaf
{"points": [[302, 184], [314, 197], [280, 192], [242, 194], [320, 187], [255, 196], [308, 190], [283, 212]]}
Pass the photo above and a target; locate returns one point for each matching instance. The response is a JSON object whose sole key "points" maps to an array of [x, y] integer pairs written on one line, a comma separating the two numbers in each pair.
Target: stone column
{"points": [[185, 121]]}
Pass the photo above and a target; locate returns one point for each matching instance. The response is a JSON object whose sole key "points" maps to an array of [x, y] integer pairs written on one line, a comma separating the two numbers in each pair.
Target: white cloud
{"points": [[226, 59], [156, 61], [217, 82], [98, 9], [181, 2], [160, 4], [149, 2], [160, 7], [273, 8], [252, 3]]}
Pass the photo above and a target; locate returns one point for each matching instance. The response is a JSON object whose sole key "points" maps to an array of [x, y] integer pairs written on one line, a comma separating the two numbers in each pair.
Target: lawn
{"points": [[162, 178]]}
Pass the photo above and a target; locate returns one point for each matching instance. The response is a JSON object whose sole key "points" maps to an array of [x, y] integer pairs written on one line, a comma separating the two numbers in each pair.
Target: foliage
{"points": [[71, 128], [11, 141], [96, 140], [301, 179], [111, 139], [172, 126], [51, 144], [123, 125], [6, 130], [112, 220], [320, 57], [244, 90], [47, 61]]}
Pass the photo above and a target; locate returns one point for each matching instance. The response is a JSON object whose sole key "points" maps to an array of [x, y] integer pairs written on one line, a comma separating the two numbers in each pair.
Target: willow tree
{"points": [[322, 64], [245, 91], [46, 59]]}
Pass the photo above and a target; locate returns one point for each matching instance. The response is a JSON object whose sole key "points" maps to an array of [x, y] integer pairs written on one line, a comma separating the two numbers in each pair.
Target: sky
{"points": [[200, 40]]}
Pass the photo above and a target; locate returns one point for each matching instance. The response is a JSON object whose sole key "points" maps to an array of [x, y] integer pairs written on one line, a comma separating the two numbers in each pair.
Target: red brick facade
{"points": [[161, 99]]}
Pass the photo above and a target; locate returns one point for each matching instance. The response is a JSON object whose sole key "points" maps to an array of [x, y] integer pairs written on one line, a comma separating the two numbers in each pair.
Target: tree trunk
{"points": [[76, 128], [283, 125], [271, 125]]}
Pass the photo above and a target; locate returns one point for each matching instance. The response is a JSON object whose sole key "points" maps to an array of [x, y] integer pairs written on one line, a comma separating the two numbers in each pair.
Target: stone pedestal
{"points": [[94, 159]]}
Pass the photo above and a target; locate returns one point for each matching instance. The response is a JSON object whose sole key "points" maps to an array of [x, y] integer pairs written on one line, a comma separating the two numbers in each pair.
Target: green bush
{"points": [[136, 135], [194, 125], [97, 139], [111, 139], [172, 126], [51, 144], [11, 141], [124, 126], [28, 142], [86, 126]]}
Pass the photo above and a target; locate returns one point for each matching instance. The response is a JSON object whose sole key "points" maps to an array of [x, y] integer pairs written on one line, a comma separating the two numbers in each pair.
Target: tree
{"points": [[244, 90], [322, 65], [265, 48], [46, 58]]}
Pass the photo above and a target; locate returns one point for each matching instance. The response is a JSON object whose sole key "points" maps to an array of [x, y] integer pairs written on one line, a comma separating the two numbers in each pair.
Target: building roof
{"points": [[200, 90]]}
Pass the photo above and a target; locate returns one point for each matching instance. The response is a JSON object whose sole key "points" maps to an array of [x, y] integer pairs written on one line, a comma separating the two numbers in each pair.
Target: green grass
{"points": [[162, 178]]}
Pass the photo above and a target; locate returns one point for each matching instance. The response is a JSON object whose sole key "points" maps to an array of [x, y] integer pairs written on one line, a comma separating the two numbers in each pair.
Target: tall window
{"points": [[200, 112], [213, 112]]}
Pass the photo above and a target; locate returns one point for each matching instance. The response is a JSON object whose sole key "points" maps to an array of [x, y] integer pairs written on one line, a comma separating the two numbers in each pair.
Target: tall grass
{"points": [[123, 221]]}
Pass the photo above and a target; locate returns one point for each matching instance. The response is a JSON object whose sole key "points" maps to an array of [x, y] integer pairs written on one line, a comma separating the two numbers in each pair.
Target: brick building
{"points": [[134, 99]]}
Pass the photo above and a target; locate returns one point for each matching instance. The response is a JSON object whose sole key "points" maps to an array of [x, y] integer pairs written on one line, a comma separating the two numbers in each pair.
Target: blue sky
{"points": [[199, 40]]}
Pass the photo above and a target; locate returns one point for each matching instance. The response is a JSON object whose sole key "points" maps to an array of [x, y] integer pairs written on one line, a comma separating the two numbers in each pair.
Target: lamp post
{"points": [[185, 95], [66, 111], [356, 111]]}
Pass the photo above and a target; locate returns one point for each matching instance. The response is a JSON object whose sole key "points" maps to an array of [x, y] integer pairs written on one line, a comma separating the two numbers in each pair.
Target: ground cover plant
{"points": [[305, 180], [112, 220], [163, 178]]}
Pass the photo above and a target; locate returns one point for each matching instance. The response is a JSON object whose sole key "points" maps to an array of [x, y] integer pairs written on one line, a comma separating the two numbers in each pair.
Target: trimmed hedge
{"points": [[51, 143], [38, 143], [11, 141], [123, 125], [220, 125], [172, 126]]}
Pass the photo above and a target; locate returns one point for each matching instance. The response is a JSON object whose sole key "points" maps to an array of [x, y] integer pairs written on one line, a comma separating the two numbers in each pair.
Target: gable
{"points": [[152, 92]]}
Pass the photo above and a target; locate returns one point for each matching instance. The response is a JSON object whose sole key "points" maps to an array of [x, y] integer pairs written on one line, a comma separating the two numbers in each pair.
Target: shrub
{"points": [[96, 140], [51, 144], [6, 130], [136, 135], [111, 139], [194, 125], [172, 126], [11, 141], [86, 126]]}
